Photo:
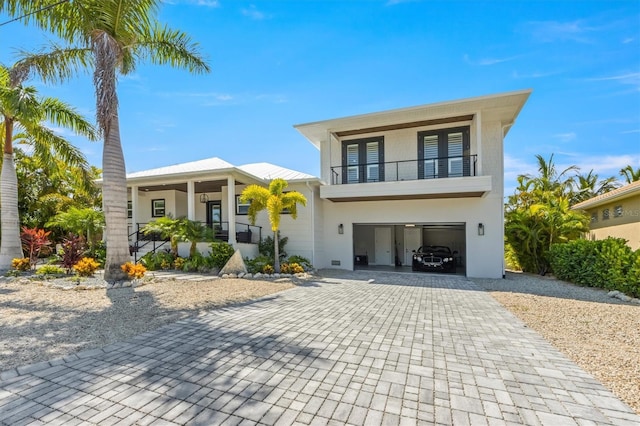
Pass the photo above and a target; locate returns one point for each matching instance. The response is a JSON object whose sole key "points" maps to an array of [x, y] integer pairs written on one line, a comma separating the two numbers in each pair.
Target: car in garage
{"points": [[434, 258]]}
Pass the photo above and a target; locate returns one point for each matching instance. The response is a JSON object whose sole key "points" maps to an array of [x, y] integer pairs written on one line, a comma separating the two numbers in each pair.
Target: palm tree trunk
{"points": [[10, 246], [114, 203], [276, 251]]}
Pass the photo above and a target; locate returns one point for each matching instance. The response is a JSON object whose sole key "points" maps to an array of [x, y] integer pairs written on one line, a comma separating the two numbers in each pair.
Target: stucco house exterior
{"points": [[615, 214], [390, 182]]}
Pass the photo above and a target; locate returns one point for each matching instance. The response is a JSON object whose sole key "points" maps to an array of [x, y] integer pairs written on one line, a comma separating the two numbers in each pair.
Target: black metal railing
{"points": [[153, 241], [393, 171]]}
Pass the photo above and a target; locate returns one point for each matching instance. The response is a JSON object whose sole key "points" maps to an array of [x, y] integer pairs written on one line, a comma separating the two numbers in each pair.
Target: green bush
{"points": [[609, 264], [158, 260], [50, 270], [220, 254], [302, 261], [266, 247], [258, 263]]}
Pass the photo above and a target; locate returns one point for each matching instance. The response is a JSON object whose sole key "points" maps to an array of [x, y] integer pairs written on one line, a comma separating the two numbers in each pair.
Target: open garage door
{"points": [[386, 246]]}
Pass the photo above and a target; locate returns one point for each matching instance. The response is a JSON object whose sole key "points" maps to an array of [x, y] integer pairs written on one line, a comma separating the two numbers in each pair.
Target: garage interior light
{"points": [[480, 229], [409, 225]]}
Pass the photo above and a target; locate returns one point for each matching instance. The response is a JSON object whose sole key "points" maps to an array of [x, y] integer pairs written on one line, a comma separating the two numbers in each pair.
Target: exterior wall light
{"points": [[204, 198], [340, 229], [480, 229]]}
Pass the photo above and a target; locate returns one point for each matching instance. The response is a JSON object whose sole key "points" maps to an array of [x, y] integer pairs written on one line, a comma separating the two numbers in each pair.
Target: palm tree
{"points": [[86, 221], [275, 201], [110, 36], [192, 232], [588, 186], [23, 114], [167, 228], [630, 174]]}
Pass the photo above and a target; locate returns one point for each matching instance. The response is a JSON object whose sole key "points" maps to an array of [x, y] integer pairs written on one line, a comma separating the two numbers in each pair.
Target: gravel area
{"points": [[599, 333], [39, 323]]}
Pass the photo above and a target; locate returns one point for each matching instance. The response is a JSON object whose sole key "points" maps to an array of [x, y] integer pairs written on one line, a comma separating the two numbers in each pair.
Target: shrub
{"points": [[50, 270], [158, 260], [98, 251], [266, 247], [86, 267], [608, 264], [72, 251], [34, 242], [220, 254], [21, 264], [257, 264], [178, 263], [134, 271], [302, 261], [268, 269], [291, 268]]}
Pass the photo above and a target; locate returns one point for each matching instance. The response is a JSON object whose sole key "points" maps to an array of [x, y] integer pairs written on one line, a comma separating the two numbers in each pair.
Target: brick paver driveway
{"points": [[403, 349]]}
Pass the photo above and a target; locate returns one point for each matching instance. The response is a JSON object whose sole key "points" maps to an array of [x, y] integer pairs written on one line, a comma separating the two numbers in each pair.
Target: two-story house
{"points": [[390, 182]]}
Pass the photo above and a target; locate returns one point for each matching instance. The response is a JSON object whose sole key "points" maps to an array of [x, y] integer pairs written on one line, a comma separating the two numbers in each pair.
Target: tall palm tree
{"points": [[109, 36], [588, 186], [23, 114], [275, 201], [630, 174]]}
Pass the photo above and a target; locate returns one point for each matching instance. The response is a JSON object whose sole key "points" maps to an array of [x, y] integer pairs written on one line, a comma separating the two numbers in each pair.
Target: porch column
{"points": [[191, 200], [134, 210], [231, 206]]}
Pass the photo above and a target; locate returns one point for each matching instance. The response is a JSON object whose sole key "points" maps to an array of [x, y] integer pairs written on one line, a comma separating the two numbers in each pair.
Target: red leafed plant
{"points": [[34, 241]]}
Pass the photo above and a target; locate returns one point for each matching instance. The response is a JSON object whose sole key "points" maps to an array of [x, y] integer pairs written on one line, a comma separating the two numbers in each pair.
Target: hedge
{"points": [[609, 264]]}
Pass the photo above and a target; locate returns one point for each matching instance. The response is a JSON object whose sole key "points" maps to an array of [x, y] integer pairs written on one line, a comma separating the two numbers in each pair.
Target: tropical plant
{"points": [[167, 228], [82, 221], [21, 264], [258, 263], [134, 271], [274, 200], [86, 267], [630, 174], [302, 261], [23, 115], [539, 215], [220, 254], [192, 232], [266, 247], [73, 247], [589, 186], [109, 36], [34, 242], [47, 270], [158, 260]]}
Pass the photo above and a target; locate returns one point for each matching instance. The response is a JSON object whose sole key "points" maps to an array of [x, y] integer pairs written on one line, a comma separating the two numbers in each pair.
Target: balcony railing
{"points": [[393, 171]]}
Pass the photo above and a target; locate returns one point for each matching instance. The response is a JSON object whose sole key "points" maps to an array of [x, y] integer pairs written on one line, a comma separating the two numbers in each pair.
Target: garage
{"points": [[390, 246]]}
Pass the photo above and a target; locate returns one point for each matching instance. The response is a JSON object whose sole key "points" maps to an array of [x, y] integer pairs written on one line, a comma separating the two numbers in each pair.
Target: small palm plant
{"points": [[274, 200]]}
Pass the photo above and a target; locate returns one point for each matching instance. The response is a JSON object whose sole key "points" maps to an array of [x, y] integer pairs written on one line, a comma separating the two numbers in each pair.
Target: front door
{"points": [[412, 241], [214, 215], [383, 246]]}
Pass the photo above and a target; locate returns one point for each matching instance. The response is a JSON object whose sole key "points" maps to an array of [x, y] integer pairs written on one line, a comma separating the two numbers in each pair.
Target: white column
{"points": [[191, 200], [231, 206], [479, 143], [134, 209]]}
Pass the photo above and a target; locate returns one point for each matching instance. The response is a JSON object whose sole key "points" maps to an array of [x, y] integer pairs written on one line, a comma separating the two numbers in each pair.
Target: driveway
{"points": [[357, 348]]}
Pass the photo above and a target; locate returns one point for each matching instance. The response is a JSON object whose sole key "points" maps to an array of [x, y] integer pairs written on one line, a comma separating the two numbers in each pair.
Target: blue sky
{"points": [[279, 63]]}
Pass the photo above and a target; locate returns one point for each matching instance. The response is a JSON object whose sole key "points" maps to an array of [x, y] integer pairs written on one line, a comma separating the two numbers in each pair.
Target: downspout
{"points": [[313, 225], [504, 128]]}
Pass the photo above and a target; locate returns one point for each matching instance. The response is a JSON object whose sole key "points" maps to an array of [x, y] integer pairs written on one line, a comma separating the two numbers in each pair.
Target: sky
{"points": [[275, 64]]}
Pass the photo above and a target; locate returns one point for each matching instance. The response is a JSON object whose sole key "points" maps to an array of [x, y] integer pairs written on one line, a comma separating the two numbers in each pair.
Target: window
{"points": [[363, 160], [444, 153], [605, 214], [241, 208], [594, 217], [129, 209], [617, 211], [157, 208]]}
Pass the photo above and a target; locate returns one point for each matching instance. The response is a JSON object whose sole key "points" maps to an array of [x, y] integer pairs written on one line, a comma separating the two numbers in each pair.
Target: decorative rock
{"points": [[241, 275], [225, 276], [232, 275], [282, 280], [613, 293], [257, 275], [235, 265], [624, 298], [248, 276], [276, 275]]}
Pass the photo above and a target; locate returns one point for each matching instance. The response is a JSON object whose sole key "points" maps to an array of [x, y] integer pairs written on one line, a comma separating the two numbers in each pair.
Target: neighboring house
{"points": [[390, 182], [615, 214]]}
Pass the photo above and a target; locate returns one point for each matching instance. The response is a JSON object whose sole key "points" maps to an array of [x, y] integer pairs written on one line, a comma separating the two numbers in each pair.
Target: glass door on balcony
{"points": [[362, 160], [444, 153]]}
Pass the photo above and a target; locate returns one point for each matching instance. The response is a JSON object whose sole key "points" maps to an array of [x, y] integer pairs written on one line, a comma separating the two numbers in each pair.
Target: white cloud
{"points": [[534, 74], [628, 40], [489, 61], [565, 137], [253, 13], [550, 31], [205, 3]]}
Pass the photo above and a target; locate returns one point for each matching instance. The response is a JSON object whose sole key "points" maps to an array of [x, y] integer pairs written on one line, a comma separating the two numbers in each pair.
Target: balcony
{"points": [[444, 177]]}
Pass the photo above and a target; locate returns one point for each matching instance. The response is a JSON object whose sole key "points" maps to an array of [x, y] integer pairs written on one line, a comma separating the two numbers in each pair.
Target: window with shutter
{"points": [[430, 150], [363, 160], [444, 153]]}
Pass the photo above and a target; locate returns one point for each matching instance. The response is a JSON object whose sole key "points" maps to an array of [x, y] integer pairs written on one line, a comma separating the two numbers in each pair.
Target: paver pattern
{"points": [[398, 349]]}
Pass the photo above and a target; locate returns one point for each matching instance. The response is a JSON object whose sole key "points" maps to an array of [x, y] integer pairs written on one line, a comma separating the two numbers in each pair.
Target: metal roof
{"points": [[206, 165], [268, 171]]}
